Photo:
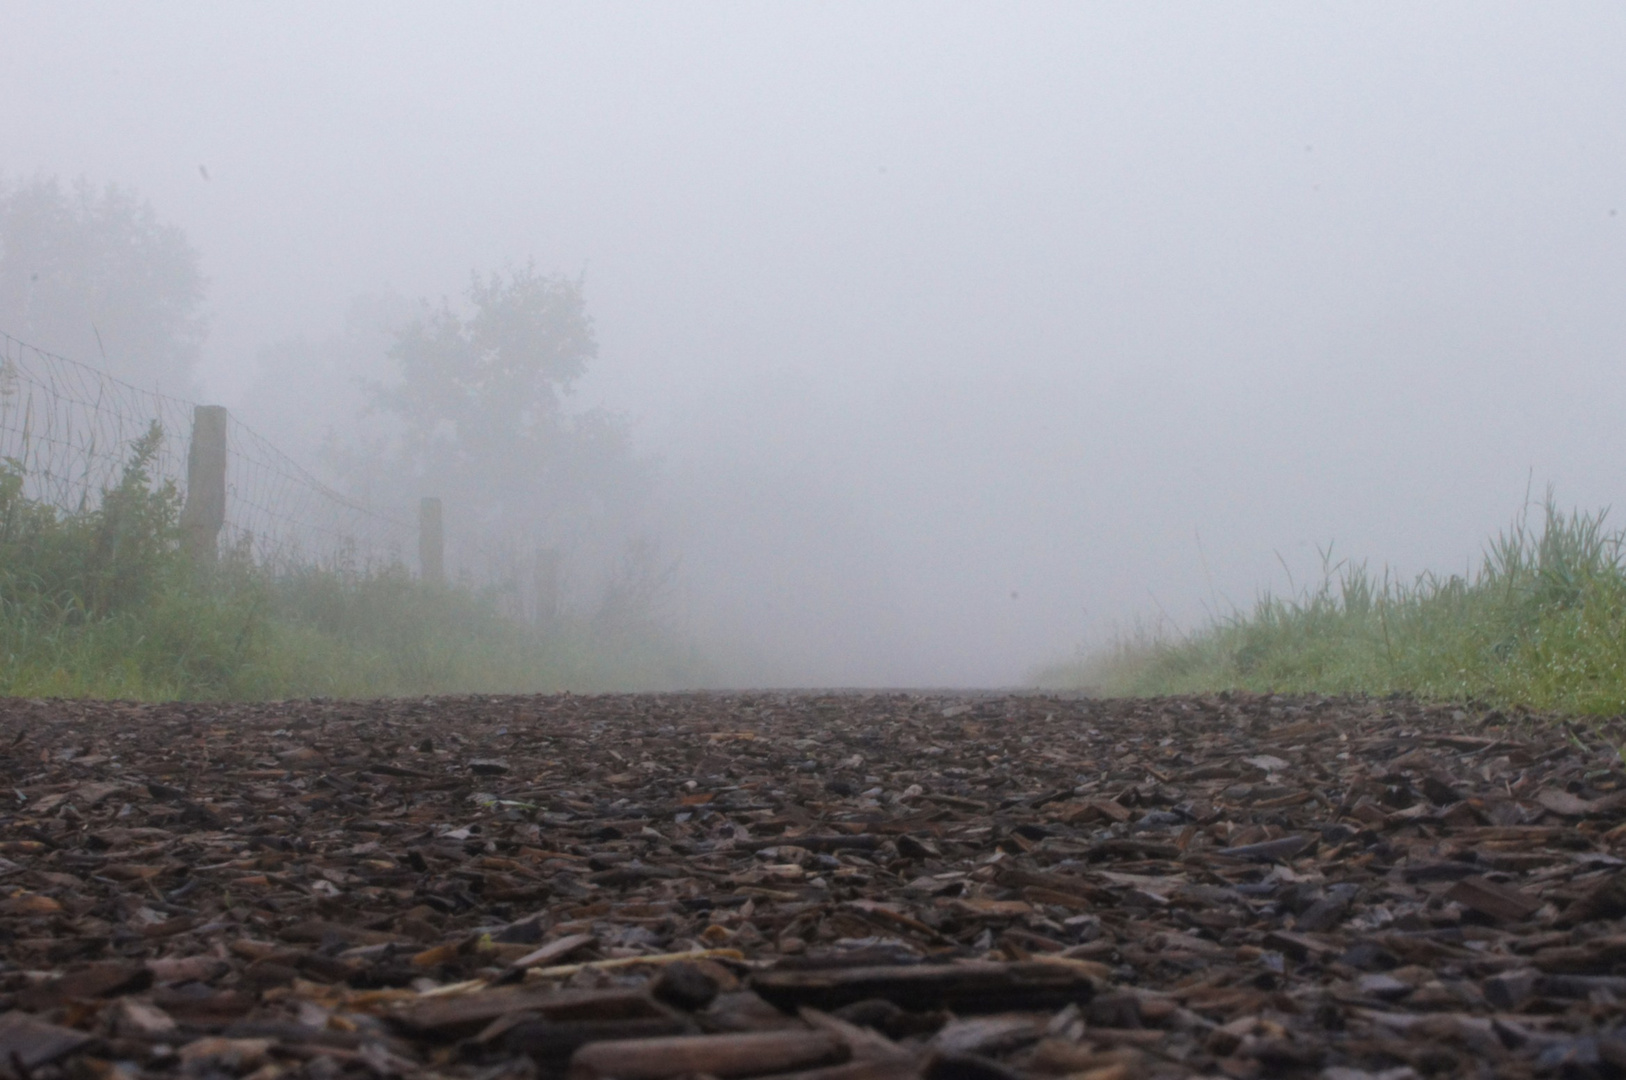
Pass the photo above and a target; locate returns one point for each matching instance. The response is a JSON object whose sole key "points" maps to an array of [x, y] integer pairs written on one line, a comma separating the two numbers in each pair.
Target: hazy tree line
{"points": [[548, 507], [93, 274]]}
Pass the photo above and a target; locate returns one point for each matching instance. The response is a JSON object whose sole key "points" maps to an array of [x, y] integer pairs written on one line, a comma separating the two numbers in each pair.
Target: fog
{"points": [[964, 335]]}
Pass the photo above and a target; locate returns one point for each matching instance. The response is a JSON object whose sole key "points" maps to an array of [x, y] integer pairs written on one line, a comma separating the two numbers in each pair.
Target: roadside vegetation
{"points": [[1541, 624], [100, 600], [104, 602]]}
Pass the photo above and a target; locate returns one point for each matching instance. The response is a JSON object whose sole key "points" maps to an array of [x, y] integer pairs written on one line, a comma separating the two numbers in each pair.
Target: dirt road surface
{"points": [[840, 887]]}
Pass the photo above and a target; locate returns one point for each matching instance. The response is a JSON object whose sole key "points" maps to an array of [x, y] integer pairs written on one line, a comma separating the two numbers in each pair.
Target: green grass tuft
{"points": [[1541, 624]]}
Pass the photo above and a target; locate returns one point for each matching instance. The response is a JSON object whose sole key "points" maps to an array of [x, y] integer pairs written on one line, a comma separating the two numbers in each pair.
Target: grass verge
{"points": [[1541, 624], [103, 602]]}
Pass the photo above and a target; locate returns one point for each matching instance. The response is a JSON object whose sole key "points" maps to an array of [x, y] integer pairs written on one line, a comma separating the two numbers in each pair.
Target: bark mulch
{"points": [[839, 887]]}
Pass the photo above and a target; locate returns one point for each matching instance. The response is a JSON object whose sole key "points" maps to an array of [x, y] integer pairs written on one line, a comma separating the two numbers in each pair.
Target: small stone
{"points": [[685, 986]]}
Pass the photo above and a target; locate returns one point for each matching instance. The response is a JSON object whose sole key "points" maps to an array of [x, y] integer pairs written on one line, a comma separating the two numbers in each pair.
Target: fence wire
{"points": [[69, 429]]}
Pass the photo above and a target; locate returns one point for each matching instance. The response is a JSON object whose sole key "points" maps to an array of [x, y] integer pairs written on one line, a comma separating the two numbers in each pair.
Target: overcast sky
{"points": [[966, 332]]}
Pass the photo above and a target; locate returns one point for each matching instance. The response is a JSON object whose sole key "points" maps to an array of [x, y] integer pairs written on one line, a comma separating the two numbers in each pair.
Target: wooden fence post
{"points": [[431, 542], [204, 513]]}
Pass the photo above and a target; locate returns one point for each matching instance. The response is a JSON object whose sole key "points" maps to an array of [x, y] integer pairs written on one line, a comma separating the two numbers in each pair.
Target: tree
{"points": [[479, 410], [477, 390], [97, 277]]}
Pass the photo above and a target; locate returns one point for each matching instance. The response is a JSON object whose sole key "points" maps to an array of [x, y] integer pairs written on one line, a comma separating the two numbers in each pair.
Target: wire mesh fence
{"points": [[68, 430], [284, 517]]}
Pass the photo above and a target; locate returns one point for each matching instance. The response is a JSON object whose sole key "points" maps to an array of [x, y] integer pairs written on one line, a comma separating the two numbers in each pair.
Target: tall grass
{"points": [[1542, 623], [388, 633], [104, 602]]}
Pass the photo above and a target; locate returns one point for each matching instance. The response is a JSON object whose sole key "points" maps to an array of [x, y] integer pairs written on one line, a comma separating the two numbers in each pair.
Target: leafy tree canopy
{"points": [[95, 276], [478, 405], [488, 384]]}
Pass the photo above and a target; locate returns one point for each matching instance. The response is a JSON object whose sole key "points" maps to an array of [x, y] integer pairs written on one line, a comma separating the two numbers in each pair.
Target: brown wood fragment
{"points": [[465, 1014], [858, 842], [557, 949], [862, 1043], [30, 1043], [1269, 850], [139, 1019], [955, 801], [868, 1069], [1600, 956], [97, 980], [1605, 900], [969, 987], [1493, 900], [551, 1043], [215, 1008], [1111, 809], [1035, 894], [887, 913], [1299, 946], [1563, 802], [724, 1056], [1084, 892], [986, 1034]]}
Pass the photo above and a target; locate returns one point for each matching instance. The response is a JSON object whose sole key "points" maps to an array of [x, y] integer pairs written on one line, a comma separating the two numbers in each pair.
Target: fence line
{"points": [[70, 429]]}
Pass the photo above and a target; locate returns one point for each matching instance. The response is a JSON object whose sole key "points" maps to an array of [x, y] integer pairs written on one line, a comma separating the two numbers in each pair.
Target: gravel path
{"points": [[839, 887]]}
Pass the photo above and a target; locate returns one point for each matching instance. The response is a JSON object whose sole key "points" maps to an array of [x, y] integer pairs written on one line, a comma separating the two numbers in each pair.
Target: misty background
{"points": [[949, 338]]}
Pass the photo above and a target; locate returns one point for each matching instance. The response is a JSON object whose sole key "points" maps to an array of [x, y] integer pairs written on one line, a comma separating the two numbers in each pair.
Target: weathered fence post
{"points": [[547, 586], [431, 541], [204, 513]]}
